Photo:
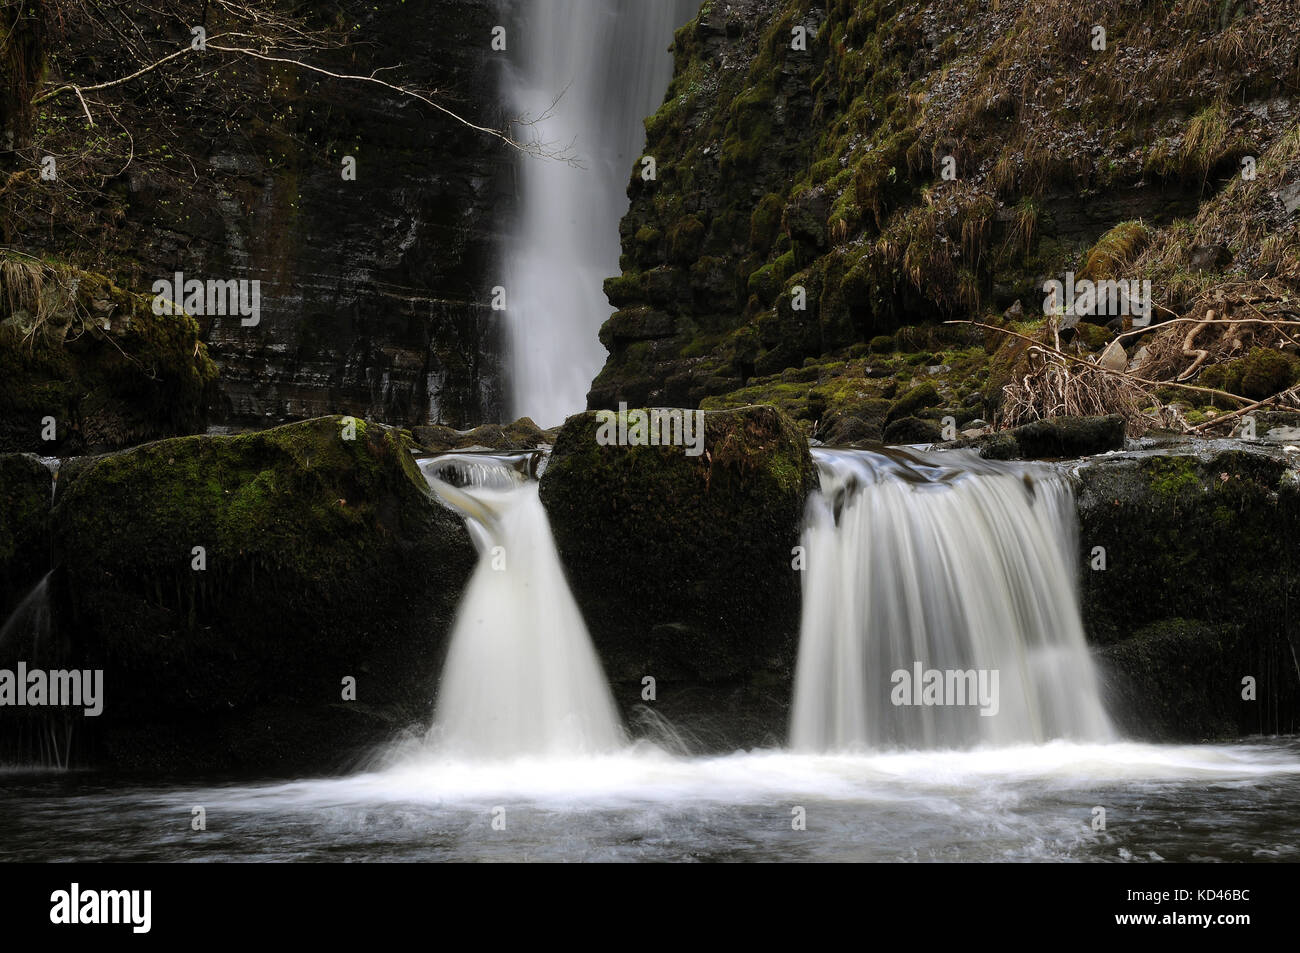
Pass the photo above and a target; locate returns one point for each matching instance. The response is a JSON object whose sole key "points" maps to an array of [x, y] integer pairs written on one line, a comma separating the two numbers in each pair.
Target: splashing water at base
{"points": [[521, 676], [940, 562], [1023, 803]]}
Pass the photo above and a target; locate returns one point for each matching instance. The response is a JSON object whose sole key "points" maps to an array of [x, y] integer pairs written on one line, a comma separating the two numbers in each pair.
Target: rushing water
{"points": [[521, 676], [1027, 803], [596, 69], [38, 737], [26, 633], [527, 760], [946, 563]]}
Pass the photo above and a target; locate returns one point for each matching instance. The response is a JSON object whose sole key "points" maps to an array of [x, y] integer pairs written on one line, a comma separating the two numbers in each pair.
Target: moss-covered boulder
{"points": [[1056, 438], [682, 564], [523, 434], [1189, 571], [322, 558], [1063, 437], [86, 366], [911, 430], [24, 526]]}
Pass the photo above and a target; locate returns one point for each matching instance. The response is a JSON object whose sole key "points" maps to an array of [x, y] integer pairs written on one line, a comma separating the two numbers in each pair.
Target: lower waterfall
{"points": [[521, 676], [931, 576]]}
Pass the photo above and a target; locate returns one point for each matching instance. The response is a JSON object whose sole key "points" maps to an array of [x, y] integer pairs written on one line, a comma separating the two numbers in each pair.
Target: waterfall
{"points": [[920, 565], [26, 633], [38, 737], [521, 676], [607, 61]]}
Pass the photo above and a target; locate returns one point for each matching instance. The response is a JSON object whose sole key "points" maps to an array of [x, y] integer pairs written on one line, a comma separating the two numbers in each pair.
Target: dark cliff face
{"points": [[374, 291], [378, 291], [803, 228]]}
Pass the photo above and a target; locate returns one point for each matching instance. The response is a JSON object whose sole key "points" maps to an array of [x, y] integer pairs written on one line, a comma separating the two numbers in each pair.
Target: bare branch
{"points": [[1106, 370]]}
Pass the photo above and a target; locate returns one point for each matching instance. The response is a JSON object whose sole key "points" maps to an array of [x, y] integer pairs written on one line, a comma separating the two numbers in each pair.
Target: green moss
{"points": [[142, 377], [764, 222], [1260, 374], [1265, 372], [625, 289], [1171, 476], [685, 238], [923, 395]]}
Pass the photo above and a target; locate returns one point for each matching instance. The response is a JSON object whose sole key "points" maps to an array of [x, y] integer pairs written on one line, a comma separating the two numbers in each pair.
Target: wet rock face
{"points": [[322, 559], [374, 291], [24, 526], [682, 565], [1197, 589], [377, 302]]}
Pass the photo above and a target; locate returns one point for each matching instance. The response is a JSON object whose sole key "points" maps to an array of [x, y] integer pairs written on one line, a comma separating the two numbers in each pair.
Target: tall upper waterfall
{"points": [[932, 578], [521, 676], [607, 61]]}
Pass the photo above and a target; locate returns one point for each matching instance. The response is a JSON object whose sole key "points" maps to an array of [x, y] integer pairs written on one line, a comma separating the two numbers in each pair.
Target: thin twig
{"points": [[1289, 392]]}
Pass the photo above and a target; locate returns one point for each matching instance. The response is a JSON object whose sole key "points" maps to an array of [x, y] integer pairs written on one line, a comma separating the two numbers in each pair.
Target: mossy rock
{"points": [[764, 223], [1260, 374], [908, 430], [523, 434], [920, 396], [657, 543], [323, 558], [98, 362], [684, 239], [1069, 437], [1180, 680], [1188, 557]]}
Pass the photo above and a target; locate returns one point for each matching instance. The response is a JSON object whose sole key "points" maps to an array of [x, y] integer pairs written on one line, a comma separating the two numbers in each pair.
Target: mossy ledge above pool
{"points": [[322, 558]]}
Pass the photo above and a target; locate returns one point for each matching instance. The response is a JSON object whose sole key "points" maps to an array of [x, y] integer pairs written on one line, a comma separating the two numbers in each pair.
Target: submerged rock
{"points": [[230, 585], [682, 564]]}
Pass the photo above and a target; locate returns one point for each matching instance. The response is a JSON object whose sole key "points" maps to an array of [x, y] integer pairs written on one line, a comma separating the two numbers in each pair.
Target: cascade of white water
{"points": [[40, 737], [26, 633], [521, 676], [607, 61], [927, 563]]}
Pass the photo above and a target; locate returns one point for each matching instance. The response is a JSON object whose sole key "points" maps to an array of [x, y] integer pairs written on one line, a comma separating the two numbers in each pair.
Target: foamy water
{"points": [[1027, 802]]}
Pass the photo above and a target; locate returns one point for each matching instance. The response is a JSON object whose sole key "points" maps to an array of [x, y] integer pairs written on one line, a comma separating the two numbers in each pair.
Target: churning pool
{"points": [[1027, 803]]}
